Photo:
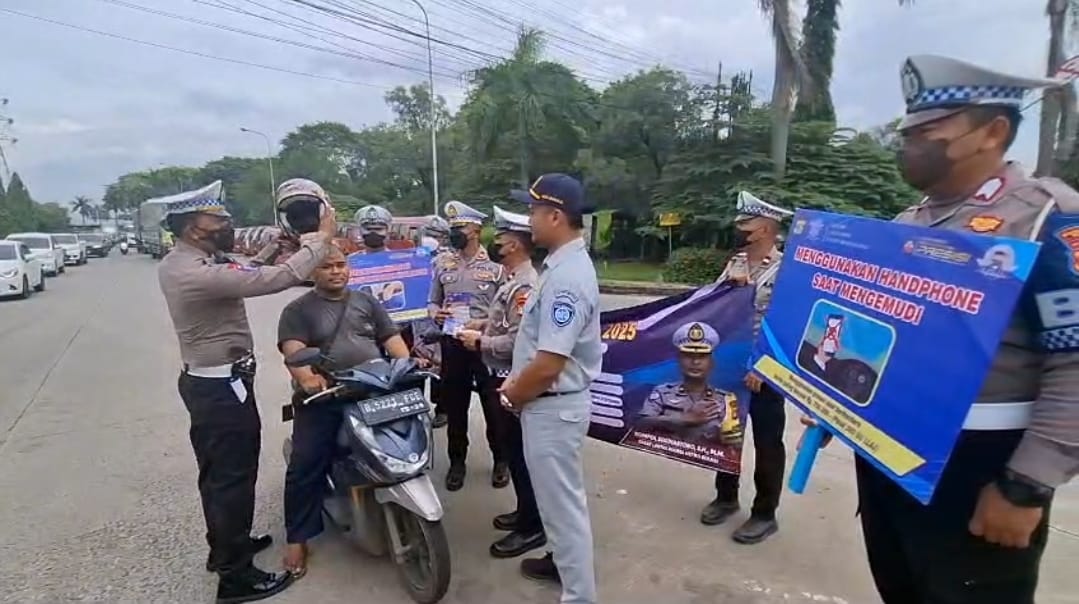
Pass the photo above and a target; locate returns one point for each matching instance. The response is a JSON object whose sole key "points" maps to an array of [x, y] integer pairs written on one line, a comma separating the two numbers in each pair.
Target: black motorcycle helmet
{"points": [[299, 206]]}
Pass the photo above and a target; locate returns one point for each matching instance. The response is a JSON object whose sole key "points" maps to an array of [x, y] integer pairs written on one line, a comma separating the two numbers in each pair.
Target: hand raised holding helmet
{"points": [[304, 207]]}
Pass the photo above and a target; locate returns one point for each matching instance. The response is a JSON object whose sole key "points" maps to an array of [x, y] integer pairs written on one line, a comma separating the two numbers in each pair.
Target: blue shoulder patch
{"points": [[1053, 287], [562, 312]]}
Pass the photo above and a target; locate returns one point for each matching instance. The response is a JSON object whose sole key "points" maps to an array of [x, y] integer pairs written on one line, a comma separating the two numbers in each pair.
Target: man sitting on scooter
{"points": [[349, 327]]}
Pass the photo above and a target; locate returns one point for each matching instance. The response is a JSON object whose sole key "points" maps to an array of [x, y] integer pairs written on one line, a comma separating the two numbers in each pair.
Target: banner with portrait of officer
{"points": [[673, 377], [884, 332]]}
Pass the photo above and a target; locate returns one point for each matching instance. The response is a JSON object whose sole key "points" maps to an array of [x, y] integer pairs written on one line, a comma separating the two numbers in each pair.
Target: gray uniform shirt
{"points": [[562, 317], [206, 299], [504, 318], [1009, 205]]}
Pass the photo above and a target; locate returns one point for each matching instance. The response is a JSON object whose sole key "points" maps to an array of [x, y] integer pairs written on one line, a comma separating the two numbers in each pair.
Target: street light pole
{"points": [[431, 90], [269, 160]]}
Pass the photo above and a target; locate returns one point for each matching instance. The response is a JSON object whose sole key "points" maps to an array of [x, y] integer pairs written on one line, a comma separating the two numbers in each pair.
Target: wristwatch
{"points": [[1022, 491]]}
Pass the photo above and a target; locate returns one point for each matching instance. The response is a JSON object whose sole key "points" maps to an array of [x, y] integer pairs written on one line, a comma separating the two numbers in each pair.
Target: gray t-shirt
{"points": [[366, 326]]}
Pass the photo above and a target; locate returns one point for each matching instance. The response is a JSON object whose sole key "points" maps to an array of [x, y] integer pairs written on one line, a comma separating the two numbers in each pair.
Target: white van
{"points": [[44, 248]]}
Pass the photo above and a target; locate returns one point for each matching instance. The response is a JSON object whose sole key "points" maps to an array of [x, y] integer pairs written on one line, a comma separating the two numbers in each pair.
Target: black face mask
{"points": [[924, 163], [458, 239], [494, 252], [374, 240], [740, 239]]}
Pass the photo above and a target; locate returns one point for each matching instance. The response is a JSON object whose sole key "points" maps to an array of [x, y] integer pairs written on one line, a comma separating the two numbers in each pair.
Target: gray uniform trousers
{"points": [[553, 429]]}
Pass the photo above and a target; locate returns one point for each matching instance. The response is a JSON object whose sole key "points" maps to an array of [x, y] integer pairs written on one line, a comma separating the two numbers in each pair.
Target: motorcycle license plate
{"points": [[391, 407]]}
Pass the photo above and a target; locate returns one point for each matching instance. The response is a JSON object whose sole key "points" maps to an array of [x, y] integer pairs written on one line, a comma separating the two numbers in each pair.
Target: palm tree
{"points": [[524, 94], [84, 206]]}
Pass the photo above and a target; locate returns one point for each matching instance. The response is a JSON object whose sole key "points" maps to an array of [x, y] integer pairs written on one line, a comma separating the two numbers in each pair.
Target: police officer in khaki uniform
{"points": [[466, 277], [495, 337], [757, 228], [205, 294], [692, 408], [981, 538], [374, 222]]}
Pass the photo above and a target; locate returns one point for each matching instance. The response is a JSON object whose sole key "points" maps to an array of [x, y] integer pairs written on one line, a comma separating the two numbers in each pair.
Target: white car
{"points": [[20, 270], [45, 248], [74, 250]]}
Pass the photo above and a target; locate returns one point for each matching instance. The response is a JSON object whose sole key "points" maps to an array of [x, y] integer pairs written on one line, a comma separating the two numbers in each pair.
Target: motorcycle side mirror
{"points": [[304, 357]]}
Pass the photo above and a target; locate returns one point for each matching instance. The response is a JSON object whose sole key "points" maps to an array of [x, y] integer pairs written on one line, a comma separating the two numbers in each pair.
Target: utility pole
{"points": [[5, 137], [269, 160], [431, 90]]}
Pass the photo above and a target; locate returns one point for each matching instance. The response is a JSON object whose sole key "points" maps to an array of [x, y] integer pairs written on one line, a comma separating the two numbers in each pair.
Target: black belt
{"points": [[548, 394]]}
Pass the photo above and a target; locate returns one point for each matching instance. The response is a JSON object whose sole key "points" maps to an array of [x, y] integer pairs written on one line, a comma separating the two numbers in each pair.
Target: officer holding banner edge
{"points": [[981, 538], [757, 226]]}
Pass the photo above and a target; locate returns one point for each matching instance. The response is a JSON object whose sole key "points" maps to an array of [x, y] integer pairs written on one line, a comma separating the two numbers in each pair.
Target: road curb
{"points": [[641, 288]]}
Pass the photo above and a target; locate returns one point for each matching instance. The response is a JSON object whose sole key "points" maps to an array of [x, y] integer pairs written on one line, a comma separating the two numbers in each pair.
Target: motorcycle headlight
{"points": [[9, 273], [396, 466]]}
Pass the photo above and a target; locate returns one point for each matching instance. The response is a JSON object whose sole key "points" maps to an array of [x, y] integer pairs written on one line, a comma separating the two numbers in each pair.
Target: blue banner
{"points": [[401, 280], [687, 406], [885, 332]]}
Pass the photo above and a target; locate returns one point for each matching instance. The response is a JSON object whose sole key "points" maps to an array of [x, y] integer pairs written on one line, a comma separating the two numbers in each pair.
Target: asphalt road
{"points": [[98, 500]]}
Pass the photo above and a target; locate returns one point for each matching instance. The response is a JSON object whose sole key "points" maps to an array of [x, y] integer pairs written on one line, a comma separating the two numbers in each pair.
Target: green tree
{"points": [[537, 105], [336, 142], [819, 29], [51, 217]]}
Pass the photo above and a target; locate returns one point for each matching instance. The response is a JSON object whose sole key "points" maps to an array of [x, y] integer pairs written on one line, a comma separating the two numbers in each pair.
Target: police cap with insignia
{"points": [[373, 216], [436, 226], [935, 87], [696, 338], [461, 214], [207, 200], [556, 190], [751, 206], [511, 222]]}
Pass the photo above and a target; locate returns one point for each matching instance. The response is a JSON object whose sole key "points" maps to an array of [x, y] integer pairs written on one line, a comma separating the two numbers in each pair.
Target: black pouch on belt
{"points": [[245, 367]]}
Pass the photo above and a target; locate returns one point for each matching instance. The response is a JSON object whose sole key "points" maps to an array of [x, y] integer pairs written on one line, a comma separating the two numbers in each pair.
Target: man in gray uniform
{"points": [[981, 538], [495, 337], [757, 227], [374, 224], [556, 356], [205, 294], [466, 280], [692, 408]]}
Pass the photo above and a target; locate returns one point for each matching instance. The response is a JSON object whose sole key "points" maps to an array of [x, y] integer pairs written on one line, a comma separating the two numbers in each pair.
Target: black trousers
{"points": [[528, 518], [226, 436], [462, 372], [768, 418], [314, 436], [925, 554]]}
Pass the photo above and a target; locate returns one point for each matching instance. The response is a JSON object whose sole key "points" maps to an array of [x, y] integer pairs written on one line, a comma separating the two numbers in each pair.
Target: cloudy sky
{"points": [[89, 107]]}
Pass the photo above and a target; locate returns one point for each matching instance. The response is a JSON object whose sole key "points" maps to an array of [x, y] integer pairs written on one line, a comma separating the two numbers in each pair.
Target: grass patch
{"points": [[629, 271]]}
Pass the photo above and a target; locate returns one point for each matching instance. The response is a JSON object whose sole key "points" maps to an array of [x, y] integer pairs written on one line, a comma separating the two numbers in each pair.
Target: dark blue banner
{"points": [[686, 404], [401, 280], [885, 332]]}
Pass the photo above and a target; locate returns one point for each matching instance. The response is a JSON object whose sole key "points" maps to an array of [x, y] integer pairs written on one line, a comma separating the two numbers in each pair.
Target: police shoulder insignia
{"points": [[520, 298], [985, 224], [1069, 236], [562, 312]]}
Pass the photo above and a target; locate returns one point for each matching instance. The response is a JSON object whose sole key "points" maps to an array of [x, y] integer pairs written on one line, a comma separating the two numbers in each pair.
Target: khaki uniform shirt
{"points": [[476, 276], [763, 276], [1013, 205], [504, 318], [206, 298]]}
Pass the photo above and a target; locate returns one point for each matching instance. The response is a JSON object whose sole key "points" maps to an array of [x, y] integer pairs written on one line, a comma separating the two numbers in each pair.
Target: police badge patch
{"points": [[912, 82], [562, 313]]}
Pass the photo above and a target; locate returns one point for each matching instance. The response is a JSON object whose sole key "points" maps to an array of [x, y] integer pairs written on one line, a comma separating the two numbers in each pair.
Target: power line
{"points": [[195, 52]]}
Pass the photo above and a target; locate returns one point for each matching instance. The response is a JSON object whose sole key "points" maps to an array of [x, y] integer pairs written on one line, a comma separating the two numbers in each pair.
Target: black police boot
{"points": [[455, 478], [258, 543], [440, 420], [506, 522], [755, 530], [250, 585], [541, 569], [501, 475], [517, 543], [718, 511]]}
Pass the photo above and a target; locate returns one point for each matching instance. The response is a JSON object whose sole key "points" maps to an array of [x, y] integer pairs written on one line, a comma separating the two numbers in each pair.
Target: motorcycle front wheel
{"points": [[424, 568]]}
